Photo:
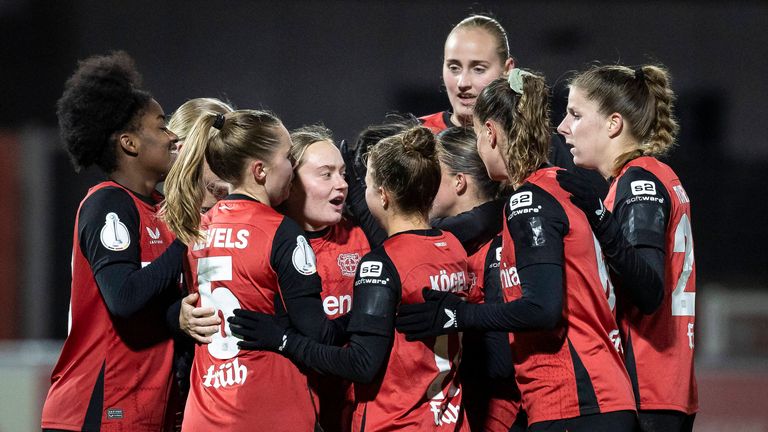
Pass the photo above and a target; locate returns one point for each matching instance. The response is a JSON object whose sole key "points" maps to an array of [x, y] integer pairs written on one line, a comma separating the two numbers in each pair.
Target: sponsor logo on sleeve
{"points": [[114, 234], [522, 199], [304, 257], [371, 269], [643, 187]]}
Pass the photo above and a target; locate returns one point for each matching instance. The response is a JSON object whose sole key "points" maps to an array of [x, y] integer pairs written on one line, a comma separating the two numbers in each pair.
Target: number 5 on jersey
{"points": [[218, 269]]}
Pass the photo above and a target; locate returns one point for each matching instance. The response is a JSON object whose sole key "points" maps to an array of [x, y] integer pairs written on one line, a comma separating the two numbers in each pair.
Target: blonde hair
{"points": [[406, 165], [492, 27], [304, 137], [244, 135], [644, 99], [524, 119], [185, 116]]}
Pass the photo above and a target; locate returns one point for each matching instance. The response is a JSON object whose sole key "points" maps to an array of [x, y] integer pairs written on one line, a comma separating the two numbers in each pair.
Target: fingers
{"points": [[205, 312], [190, 299], [248, 314], [412, 322]]}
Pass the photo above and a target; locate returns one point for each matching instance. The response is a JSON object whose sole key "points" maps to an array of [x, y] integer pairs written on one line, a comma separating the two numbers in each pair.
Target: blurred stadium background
{"points": [[346, 63]]}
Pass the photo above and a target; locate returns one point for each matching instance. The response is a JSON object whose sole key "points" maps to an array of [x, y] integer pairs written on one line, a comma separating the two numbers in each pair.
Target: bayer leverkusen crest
{"points": [[348, 263]]}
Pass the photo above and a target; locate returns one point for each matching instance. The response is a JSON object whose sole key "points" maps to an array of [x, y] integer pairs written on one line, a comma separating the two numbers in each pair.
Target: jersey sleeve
{"points": [[294, 261], [108, 228], [537, 224], [376, 294], [474, 227], [642, 208], [295, 264]]}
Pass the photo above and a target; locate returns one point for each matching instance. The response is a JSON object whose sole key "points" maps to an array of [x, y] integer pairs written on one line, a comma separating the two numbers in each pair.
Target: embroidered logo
{"points": [[303, 257], [114, 234], [348, 263]]}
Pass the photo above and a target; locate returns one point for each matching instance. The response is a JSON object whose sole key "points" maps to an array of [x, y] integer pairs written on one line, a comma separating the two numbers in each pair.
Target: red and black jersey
{"points": [[254, 258], [338, 249], [576, 368], [437, 122], [113, 373], [660, 346], [491, 396], [418, 389]]}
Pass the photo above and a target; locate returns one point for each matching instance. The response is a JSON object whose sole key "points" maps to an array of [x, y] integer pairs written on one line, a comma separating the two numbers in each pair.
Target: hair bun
{"points": [[421, 140]]}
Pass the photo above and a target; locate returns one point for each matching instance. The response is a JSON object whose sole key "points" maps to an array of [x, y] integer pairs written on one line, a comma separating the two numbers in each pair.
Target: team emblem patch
{"points": [[348, 263], [114, 234], [303, 257]]}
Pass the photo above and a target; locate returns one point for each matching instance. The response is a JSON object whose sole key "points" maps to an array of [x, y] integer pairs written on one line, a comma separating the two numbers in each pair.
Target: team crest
{"points": [[304, 257], [114, 234], [348, 263]]}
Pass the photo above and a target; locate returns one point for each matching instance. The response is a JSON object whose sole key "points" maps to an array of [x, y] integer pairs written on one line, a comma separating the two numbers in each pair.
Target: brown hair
{"points": [[244, 135], [406, 165], [525, 120], [457, 150], [644, 99]]}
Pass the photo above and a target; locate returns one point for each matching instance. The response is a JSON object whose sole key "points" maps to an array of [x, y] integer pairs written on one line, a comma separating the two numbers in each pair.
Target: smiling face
{"points": [[319, 189], [156, 145], [586, 129], [471, 63]]}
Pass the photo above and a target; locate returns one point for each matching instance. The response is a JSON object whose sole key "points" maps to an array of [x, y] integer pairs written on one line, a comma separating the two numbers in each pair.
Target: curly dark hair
{"points": [[102, 97]]}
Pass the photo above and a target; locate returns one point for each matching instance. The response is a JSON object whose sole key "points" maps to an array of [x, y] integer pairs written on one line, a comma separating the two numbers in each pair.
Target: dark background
{"points": [[347, 63]]}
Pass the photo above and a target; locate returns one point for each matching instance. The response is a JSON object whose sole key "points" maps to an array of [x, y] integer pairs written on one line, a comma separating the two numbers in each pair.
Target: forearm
{"points": [[127, 289], [360, 361]]}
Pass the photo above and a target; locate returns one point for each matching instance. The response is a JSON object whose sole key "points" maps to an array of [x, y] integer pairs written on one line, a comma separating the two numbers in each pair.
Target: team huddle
{"points": [[461, 271]]}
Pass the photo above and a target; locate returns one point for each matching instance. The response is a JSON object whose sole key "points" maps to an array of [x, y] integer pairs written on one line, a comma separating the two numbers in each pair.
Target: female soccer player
{"points": [[316, 202], [566, 348], [199, 323], [477, 52], [402, 385], [181, 123], [491, 397], [619, 120], [245, 254], [115, 369]]}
